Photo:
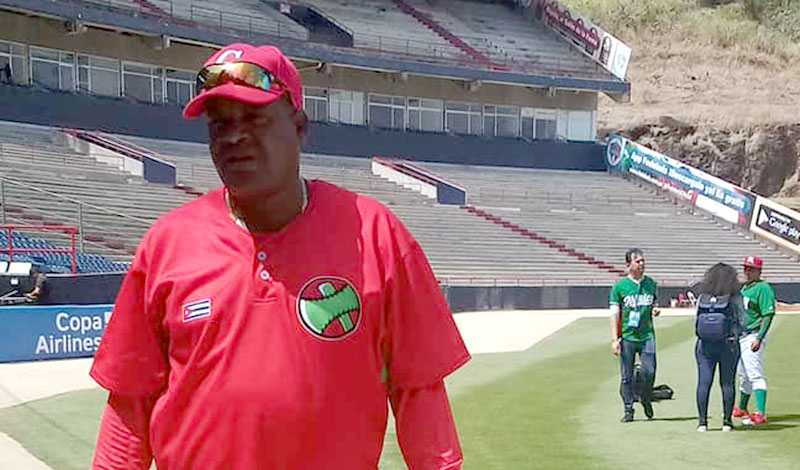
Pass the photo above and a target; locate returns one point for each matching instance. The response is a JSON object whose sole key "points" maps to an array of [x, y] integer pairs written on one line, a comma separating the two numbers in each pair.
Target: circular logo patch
{"points": [[329, 307], [614, 151]]}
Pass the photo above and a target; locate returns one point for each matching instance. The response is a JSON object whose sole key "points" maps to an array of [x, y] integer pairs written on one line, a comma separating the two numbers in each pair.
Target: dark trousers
{"points": [[708, 355], [647, 357]]}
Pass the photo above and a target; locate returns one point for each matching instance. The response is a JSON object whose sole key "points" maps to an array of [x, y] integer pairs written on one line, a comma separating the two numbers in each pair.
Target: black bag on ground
{"points": [[660, 392], [713, 322]]}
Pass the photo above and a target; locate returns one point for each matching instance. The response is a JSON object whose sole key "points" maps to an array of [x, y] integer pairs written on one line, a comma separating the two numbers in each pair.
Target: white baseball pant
{"points": [[751, 365]]}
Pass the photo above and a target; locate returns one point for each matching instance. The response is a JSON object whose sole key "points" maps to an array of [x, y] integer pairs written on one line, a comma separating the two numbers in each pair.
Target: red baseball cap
{"points": [[753, 262], [271, 59]]}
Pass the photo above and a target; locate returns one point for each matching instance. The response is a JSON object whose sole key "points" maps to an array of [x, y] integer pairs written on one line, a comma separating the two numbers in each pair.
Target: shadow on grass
{"points": [[774, 423], [781, 418], [676, 418], [769, 427]]}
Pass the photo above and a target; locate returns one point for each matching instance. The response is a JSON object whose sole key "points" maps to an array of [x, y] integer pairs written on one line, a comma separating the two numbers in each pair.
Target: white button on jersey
{"points": [[264, 275], [261, 255]]}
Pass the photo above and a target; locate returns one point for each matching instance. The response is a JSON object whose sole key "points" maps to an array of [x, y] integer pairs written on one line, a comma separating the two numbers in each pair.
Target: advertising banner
{"points": [[777, 223], [602, 47], [33, 333], [695, 187]]}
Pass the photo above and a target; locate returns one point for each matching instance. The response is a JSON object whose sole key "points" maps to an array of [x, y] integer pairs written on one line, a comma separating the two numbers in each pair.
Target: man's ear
{"points": [[301, 121]]}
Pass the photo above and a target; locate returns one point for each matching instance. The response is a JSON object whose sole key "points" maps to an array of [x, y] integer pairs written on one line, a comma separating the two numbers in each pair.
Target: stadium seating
{"points": [[252, 16], [457, 32], [48, 183], [592, 213], [55, 262], [508, 38], [603, 216], [463, 249], [381, 26]]}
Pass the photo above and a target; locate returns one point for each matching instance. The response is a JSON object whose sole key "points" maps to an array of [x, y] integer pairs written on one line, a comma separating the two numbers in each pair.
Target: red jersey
{"points": [[276, 350]]}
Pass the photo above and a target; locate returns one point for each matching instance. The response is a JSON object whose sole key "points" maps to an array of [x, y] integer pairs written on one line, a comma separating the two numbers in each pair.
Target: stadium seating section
{"points": [[590, 213], [453, 32]]}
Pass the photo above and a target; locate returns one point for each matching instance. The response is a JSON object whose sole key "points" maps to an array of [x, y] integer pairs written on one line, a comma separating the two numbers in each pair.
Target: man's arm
{"points": [[616, 334], [766, 303], [34, 294], [425, 428], [123, 442], [766, 322], [655, 310]]}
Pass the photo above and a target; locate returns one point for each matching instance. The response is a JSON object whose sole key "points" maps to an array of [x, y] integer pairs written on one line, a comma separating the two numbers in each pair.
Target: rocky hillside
{"points": [[762, 158], [713, 87]]}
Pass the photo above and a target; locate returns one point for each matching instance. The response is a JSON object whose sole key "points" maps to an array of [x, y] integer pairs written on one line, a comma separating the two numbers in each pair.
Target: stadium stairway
{"points": [[544, 240], [151, 7], [508, 38], [478, 57]]}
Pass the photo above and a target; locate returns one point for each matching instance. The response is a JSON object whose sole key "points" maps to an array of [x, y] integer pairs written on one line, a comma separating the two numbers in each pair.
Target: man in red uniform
{"points": [[265, 324]]}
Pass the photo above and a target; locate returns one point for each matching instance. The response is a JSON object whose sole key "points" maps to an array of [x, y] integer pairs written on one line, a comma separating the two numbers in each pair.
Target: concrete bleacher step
{"points": [[576, 213]]}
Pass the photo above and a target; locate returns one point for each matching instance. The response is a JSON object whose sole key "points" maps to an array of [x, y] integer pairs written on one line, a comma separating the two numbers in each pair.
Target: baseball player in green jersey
{"points": [[632, 303], [759, 302]]}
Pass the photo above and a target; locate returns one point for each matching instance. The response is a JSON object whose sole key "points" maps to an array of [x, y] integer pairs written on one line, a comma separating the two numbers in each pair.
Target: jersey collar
{"points": [[240, 222]]}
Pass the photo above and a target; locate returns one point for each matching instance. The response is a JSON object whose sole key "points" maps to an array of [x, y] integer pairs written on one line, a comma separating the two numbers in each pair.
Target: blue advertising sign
{"points": [[31, 333], [693, 186]]}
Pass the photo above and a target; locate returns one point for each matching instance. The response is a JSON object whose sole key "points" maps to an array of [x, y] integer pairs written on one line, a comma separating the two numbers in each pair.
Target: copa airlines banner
{"points": [[695, 187], [777, 223], [51, 332], [605, 49]]}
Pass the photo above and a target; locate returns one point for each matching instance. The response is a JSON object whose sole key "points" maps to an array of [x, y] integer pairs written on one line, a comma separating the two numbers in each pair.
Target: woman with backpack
{"points": [[718, 324]]}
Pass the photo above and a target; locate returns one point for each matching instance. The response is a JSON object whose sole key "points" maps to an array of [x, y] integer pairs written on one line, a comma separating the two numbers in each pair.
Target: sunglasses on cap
{"points": [[241, 73]]}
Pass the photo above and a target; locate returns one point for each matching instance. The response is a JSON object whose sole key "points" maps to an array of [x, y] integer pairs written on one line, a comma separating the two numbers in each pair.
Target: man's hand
{"points": [[756, 345], [616, 346], [656, 312]]}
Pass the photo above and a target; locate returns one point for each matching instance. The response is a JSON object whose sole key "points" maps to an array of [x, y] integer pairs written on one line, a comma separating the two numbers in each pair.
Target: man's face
{"points": [[636, 266], [256, 149], [752, 274]]}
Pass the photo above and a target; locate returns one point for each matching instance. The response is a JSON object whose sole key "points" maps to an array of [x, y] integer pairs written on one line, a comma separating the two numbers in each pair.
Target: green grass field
{"points": [[554, 406]]}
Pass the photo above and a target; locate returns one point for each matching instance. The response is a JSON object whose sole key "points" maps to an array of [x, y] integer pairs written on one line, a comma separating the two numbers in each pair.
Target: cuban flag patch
{"points": [[196, 310]]}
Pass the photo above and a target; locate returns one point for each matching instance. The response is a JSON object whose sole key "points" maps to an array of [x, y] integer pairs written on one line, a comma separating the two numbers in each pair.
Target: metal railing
{"points": [[483, 195], [10, 247], [18, 201]]}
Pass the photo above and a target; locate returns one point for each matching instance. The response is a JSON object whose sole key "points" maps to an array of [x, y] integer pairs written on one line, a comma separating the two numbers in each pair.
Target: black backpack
{"points": [[714, 323]]}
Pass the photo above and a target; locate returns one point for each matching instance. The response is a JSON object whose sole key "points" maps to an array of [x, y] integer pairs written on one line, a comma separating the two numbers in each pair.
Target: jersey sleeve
{"points": [[614, 297], [123, 441], [655, 294], [426, 431], [131, 358], [424, 345], [766, 300]]}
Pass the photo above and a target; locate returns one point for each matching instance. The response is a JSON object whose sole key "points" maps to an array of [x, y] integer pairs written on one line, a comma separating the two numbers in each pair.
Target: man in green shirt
{"points": [[632, 303], [759, 302]]}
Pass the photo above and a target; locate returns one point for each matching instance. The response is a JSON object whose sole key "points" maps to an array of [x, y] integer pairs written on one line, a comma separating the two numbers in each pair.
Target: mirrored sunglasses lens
{"points": [[247, 74]]}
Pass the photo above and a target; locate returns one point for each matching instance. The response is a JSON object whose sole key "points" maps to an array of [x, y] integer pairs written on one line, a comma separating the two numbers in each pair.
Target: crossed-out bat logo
{"points": [[329, 307]]}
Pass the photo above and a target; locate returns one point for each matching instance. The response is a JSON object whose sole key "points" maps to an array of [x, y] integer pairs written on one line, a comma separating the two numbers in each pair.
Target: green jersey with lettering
{"points": [[759, 301], [636, 301]]}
